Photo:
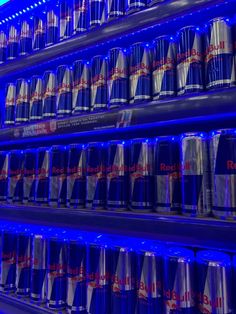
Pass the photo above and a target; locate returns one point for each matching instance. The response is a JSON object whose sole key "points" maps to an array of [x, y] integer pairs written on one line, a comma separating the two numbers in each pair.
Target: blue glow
{"points": [[213, 256], [3, 1]]}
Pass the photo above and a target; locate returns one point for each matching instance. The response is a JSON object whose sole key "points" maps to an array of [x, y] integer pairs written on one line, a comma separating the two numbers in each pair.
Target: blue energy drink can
{"points": [[64, 90], [81, 87], [15, 176], [164, 67], [56, 286], [42, 175], [179, 287], [23, 263], [66, 24], [76, 277], [117, 172], [13, 43], [214, 273], [97, 12], [29, 180], [22, 101], [195, 173], [39, 36], [38, 269], [49, 94], [99, 90], [10, 104], [52, 34], [3, 47], [115, 8], [223, 162], [25, 44], [135, 5], [76, 176], [4, 164], [80, 16], [219, 61], [167, 175], [140, 72], [57, 175], [96, 175], [36, 98], [118, 81], [141, 175]]}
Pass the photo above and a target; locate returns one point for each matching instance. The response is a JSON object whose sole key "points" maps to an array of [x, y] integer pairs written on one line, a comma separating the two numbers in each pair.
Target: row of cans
{"points": [[97, 274], [193, 174], [72, 17]]}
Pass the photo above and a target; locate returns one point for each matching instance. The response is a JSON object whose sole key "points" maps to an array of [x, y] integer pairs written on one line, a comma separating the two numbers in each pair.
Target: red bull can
{"points": [[66, 24], [38, 269], [223, 149], [81, 87], [25, 44], [52, 33], [214, 273], [164, 67], [99, 90], [49, 94], [13, 43], [115, 9], [36, 98], [4, 164], [96, 175], [135, 5], [42, 175], [3, 47], [189, 60], [15, 176], [80, 16], [57, 175], [140, 72], [39, 35], [10, 104], [195, 174], [179, 288], [22, 101], [64, 91], [76, 176], [141, 175], [29, 179], [118, 81], [219, 61], [167, 175], [117, 175], [97, 13]]}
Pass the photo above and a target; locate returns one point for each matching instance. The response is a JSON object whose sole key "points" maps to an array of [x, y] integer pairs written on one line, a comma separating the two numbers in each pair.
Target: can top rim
{"points": [[180, 252], [120, 48], [140, 42], [222, 131], [218, 18], [214, 257], [163, 36]]}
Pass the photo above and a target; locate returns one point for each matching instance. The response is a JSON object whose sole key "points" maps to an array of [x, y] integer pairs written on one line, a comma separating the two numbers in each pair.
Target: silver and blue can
{"points": [[117, 172], [167, 167], [76, 176], [115, 9], [80, 16], [42, 175], [23, 263], [22, 101], [15, 176], [219, 61], [38, 269], [99, 88], [12, 43], [140, 72], [57, 175], [56, 286], [29, 179], [64, 91], [189, 60], [39, 36], [195, 174], [81, 100], [96, 175], [3, 47], [76, 277], [141, 175], [66, 24], [52, 33], [25, 43], [214, 280], [10, 104], [49, 95], [97, 12], [223, 163], [164, 67], [135, 5], [179, 281], [36, 98], [4, 164], [118, 80]]}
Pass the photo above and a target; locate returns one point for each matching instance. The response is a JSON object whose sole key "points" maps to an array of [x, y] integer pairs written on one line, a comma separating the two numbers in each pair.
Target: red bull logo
{"points": [[189, 53], [9, 258], [94, 170], [168, 63], [207, 304], [24, 261], [140, 168]]}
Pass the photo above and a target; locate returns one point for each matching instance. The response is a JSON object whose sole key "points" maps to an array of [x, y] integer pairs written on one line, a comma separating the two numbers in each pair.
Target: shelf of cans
{"points": [[147, 72], [100, 273]]}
